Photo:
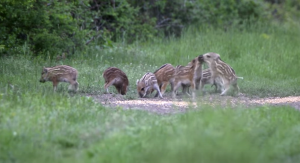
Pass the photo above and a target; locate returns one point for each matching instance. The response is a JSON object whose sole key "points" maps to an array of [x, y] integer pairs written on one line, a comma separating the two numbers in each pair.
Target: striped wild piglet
{"points": [[206, 79], [186, 76], [163, 76], [147, 84], [221, 72], [62, 73], [116, 77]]}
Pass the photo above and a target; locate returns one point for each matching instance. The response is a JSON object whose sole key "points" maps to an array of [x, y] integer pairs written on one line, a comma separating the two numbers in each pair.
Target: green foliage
{"points": [[174, 15], [46, 27], [285, 11], [1, 47], [119, 20], [53, 27]]}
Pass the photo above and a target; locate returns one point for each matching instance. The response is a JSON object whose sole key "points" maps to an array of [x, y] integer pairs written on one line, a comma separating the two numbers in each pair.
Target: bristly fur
{"points": [[188, 75], [163, 76], [62, 73], [221, 73], [116, 77], [161, 67], [147, 84], [206, 79]]}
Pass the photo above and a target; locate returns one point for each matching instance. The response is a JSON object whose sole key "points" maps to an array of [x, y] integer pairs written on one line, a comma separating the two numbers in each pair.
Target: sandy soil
{"points": [[169, 105]]}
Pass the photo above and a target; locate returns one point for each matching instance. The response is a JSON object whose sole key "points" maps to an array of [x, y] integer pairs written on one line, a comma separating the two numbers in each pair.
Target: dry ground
{"points": [[169, 105]]}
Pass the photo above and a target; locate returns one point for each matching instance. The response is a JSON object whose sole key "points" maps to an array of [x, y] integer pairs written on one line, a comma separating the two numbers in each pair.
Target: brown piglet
{"points": [[62, 73], [163, 76], [147, 84], [186, 76], [116, 77]]}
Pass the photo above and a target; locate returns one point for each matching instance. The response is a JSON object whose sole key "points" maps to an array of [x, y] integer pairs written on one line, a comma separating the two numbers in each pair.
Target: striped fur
{"points": [[116, 77], [163, 76], [62, 73], [186, 76], [185, 86], [221, 73], [147, 84], [206, 79]]}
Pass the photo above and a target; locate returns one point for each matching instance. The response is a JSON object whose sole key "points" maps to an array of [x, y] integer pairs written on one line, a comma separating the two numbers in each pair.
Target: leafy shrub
{"points": [[53, 27], [46, 27]]}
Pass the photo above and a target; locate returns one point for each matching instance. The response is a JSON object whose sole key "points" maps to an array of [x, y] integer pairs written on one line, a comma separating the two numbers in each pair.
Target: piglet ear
{"points": [[137, 81]]}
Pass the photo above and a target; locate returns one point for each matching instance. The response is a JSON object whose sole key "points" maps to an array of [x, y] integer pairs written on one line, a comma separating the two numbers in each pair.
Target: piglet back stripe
{"points": [[161, 67], [148, 79]]}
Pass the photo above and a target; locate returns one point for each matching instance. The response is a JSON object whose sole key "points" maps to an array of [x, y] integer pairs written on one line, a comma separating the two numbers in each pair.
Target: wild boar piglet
{"points": [[147, 84], [62, 73], [186, 76], [116, 77], [163, 76], [221, 72], [206, 79]]}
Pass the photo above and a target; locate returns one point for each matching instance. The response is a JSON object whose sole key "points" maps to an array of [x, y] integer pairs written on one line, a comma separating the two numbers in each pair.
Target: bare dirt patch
{"points": [[182, 103]]}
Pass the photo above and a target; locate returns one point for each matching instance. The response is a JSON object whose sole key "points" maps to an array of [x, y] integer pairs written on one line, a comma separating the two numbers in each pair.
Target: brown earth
{"points": [[169, 105]]}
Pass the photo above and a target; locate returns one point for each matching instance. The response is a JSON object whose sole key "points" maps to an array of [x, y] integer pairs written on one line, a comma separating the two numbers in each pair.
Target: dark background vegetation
{"points": [[52, 27]]}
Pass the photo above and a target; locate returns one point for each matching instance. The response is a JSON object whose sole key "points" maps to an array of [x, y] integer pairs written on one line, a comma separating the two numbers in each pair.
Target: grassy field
{"points": [[38, 125]]}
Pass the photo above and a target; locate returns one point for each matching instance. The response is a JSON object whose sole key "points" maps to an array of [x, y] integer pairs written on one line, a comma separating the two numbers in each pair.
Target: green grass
{"points": [[57, 128], [39, 125], [267, 59]]}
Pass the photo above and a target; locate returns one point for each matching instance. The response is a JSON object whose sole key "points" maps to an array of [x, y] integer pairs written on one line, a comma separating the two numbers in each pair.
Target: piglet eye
{"points": [[208, 56], [142, 89]]}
